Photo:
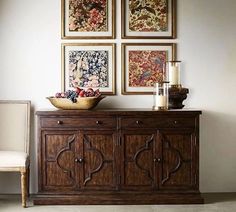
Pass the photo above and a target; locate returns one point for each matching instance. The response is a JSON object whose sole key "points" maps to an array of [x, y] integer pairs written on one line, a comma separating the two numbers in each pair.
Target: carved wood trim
{"points": [[68, 147], [101, 156], [142, 149], [180, 159]]}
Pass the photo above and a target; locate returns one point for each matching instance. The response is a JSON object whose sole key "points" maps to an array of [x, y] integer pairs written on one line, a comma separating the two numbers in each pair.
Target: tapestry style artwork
{"points": [[88, 16], [88, 19], [148, 15], [146, 67], [89, 65], [143, 65], [88, 69], [148, 19]]}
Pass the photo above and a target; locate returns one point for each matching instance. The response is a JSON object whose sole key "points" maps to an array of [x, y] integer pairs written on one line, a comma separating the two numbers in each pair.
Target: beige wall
{"points": [[30, 69]]}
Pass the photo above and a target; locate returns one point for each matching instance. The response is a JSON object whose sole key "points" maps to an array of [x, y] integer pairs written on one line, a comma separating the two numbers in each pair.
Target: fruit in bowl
{"points": [[76, 99]]}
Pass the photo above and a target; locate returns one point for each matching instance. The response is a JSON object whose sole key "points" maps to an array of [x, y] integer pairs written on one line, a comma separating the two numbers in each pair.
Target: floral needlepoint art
{"points": [[87, 16], [85, 19], [88, 69], [144, 64], [89, 66], [148, 18], [146, 67]]}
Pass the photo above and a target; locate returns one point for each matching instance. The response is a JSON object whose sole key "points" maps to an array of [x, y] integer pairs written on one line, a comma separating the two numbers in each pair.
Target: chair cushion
{"points": [[12, 159]]}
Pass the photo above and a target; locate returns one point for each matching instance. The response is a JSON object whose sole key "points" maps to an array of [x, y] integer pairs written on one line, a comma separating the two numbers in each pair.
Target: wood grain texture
{"points": [[137, 160], [118, 157], [98, 169], [120, 199]]}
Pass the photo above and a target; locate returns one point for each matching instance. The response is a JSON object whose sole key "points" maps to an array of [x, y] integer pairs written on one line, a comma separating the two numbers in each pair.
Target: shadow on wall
{"points": [[9, 183], [217, 152]]}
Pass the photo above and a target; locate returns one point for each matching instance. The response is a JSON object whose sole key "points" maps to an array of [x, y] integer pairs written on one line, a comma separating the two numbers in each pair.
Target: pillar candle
{"points": [[161, 101], [174, 75]]}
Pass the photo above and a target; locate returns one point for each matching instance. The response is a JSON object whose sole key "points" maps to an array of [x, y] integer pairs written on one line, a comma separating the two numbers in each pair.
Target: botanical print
{"points": [[146, 67], [88, 16], [88, 68], [148, 15]]}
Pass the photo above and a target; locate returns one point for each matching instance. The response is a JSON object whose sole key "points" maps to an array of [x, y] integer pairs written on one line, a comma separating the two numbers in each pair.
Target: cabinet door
{"points": [[137, 160], [95, 156], [177, 168], [56, 161]]}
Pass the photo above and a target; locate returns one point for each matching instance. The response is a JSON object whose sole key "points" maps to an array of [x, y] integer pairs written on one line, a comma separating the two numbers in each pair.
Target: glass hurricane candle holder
{"points": [[174, 73], [160, 96]]}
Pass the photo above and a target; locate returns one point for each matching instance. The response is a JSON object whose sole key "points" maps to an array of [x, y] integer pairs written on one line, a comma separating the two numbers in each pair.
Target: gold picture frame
{"points": [[88, 21], [143, 64], [91, 65], [148, 19]]}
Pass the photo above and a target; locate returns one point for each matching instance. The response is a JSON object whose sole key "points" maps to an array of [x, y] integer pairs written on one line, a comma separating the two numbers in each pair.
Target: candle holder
{"points": [[160, 96], [174, 74], [176, 97]]}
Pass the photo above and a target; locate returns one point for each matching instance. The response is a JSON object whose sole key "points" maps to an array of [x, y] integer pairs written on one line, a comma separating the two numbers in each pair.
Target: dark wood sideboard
{"points": [[118, 156]]}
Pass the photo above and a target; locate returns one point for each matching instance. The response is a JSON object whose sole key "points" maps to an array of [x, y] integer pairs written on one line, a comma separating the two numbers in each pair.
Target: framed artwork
{"points": [[143, 65], [148, 19], [88, 19], [87, 65]]}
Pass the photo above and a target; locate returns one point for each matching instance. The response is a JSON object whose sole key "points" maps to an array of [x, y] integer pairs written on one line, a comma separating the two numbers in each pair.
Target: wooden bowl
{"points": [[83, 103]]}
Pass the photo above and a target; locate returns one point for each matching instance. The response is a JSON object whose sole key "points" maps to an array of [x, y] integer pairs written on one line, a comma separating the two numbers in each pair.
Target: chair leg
{"points": [[23, 188]]}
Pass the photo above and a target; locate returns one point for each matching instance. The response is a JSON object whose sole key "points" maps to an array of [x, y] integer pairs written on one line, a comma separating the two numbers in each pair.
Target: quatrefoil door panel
{"points": [[96, 163], [178, 150], [138, 160], [58, 149]]}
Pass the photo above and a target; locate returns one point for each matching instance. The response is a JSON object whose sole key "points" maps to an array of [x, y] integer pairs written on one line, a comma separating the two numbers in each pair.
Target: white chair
{"points": [[14, 141]]}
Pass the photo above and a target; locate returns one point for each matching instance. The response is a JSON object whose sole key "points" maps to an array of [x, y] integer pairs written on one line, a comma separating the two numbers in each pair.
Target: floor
{"points": [[224, 202]]}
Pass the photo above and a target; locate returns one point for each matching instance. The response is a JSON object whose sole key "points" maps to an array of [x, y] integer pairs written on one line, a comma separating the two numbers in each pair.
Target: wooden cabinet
{"points": [[57, 150], [95, 158], [178, 158], [137, 160], [78, 160], [118, 157]]}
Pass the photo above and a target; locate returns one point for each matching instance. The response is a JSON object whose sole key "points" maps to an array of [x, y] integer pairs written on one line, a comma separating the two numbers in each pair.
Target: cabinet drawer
{"points": [[79, 122], [160, 122]]}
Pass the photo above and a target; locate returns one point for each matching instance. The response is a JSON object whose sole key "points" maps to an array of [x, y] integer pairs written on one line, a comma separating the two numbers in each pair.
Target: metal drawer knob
{"points": [[59, 122], [157, 160], [138, 122], [79, 160], [175, 122], [98, 122]]}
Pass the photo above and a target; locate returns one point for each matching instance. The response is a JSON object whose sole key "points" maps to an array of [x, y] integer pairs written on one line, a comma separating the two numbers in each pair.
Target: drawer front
{"points": [[159, 122], [78, 122]]}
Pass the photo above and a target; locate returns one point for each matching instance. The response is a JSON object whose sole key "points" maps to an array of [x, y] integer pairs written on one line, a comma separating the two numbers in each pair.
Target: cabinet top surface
{"points": [[119, 111]]}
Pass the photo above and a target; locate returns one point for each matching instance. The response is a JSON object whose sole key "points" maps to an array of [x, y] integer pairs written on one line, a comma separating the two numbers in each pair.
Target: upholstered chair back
{"points": [[14, 125]]}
